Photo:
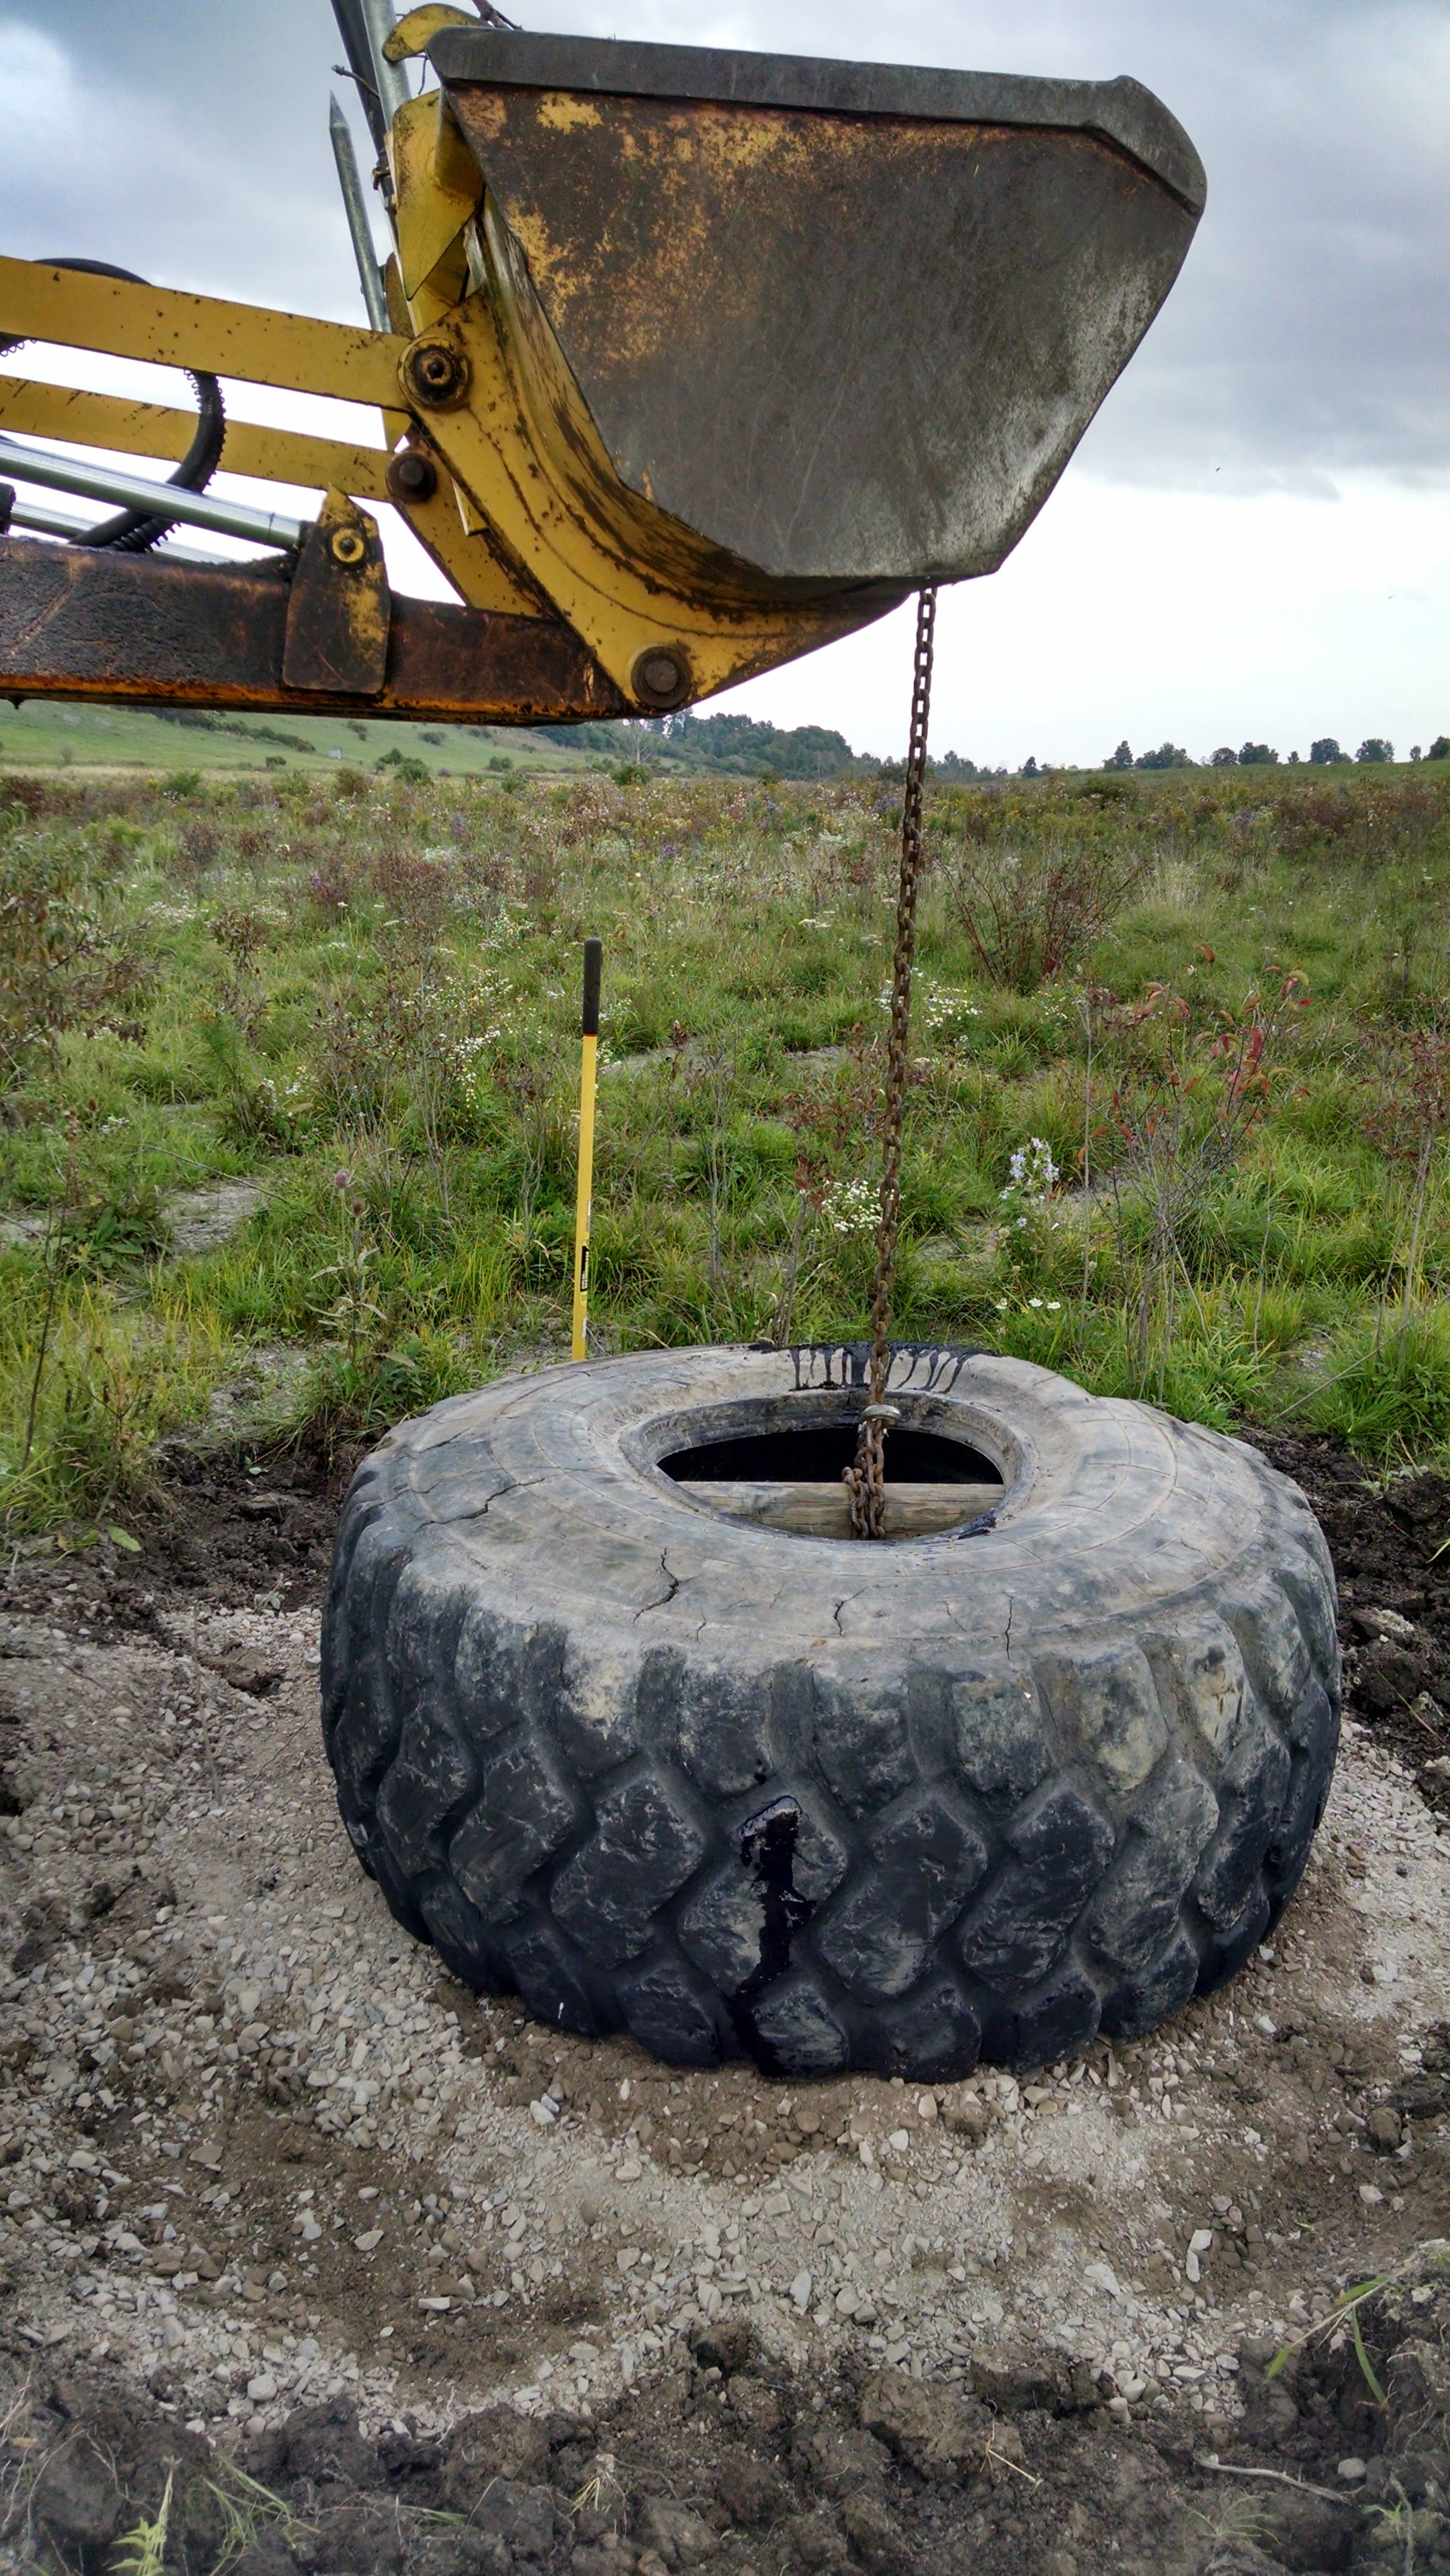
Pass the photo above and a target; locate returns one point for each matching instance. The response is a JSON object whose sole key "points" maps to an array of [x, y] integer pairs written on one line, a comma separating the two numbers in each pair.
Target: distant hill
{"points": [[60, 733], [57, 733], [717, 746], [64, 734]]}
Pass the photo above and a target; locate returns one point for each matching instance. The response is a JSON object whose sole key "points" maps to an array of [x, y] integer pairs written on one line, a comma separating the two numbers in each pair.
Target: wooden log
{"points": [[811, 1510]]}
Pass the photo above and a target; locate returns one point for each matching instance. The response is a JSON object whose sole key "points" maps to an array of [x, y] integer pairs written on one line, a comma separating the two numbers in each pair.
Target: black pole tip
{"points": [[593, 973]]}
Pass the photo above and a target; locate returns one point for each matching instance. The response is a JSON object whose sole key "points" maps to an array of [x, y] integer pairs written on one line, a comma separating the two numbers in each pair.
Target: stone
{"points": [[1383, 2130], [678, 2537], [936, 2431], [202, 1220]]}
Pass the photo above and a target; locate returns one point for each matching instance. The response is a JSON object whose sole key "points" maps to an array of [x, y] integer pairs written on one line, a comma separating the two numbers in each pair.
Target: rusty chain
{"points": [[865, 1480]]}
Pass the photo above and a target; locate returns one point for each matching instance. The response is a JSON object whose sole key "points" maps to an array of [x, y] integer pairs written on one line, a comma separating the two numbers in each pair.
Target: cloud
{"points": [[38, 109], [191, 147], [1309, 337]]}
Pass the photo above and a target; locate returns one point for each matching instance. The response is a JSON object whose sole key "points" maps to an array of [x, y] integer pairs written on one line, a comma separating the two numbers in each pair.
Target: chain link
{"points": [[866, 1480]]}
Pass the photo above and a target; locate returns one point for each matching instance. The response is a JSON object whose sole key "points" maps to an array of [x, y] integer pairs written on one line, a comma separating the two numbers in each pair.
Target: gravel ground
{"points": [[264, 2158]]}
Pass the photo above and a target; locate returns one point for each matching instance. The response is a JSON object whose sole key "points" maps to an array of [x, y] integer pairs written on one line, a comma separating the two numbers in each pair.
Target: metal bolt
{"points": [[436, 374], [661, 676], [348, 546], [412, 475]]}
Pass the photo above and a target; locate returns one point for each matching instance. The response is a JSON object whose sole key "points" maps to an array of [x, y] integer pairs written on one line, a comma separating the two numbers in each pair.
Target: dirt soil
{"points": [[380, 2276]]}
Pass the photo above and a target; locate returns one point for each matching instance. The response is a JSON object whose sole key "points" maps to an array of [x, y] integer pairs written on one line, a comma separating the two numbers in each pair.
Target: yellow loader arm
{"points": [[685, 363]]}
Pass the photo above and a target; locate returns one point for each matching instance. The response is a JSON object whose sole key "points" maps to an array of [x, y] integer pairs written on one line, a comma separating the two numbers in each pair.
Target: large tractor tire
{"points": [[658, 1767]]}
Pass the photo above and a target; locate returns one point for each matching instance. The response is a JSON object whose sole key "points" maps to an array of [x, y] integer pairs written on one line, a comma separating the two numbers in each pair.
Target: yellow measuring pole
{"points": [[584, 1205]]}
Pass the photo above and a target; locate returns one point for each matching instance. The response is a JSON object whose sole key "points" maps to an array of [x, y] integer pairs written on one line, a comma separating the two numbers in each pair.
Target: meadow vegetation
{"points": [[1178, 1122]]}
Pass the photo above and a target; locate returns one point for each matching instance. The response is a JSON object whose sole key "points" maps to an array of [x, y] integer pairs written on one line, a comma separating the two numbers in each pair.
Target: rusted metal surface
{"points": [[338, 607], [1121, 111], [849, 346], [74, 624]]}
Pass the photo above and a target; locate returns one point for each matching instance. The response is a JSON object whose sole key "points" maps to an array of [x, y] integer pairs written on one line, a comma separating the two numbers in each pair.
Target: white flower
{"points": [[1033, 1172], [850, 1208]]}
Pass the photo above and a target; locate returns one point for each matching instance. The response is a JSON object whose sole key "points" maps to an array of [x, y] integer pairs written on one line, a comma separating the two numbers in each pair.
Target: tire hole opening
{"points": [[790, 1480], [821, 1452]]}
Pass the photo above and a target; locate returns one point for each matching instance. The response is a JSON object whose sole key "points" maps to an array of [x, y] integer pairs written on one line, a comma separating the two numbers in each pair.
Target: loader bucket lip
{"points": [[1121, 111]]}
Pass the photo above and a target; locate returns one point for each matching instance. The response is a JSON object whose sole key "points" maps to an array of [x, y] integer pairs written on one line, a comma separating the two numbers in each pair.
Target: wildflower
{"points": [[850, 1208], [1032, 1169], [1034, 1301]]}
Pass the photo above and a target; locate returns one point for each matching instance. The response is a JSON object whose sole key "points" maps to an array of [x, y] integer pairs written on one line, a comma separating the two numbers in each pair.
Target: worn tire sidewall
{"points": [[559, 1693]]}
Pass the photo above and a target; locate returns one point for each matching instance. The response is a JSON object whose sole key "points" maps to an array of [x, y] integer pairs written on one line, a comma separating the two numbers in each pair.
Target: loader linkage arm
{"points": [[695, 362]]}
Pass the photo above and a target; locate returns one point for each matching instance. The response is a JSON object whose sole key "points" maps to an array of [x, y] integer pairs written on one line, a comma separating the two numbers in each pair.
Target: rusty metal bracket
{"points": [[340, 606], [140, 628]]}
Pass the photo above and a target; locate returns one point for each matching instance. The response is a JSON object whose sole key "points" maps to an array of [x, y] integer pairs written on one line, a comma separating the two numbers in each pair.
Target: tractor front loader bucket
{"points": [[696, 360]]}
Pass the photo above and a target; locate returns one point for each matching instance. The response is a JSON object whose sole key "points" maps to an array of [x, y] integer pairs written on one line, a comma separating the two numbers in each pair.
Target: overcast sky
{"points": [[1254, 538]]}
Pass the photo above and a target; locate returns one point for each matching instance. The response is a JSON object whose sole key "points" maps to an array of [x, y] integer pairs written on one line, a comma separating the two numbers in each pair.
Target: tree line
{"points": [[1323, 754]]}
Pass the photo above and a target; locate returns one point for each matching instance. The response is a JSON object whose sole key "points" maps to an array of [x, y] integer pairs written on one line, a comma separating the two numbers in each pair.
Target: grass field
{"points": [[42, 735], [1178, 1124]]}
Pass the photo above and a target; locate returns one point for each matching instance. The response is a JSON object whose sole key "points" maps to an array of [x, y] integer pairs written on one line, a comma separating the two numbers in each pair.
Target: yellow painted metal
{"points": [[397, 302], [339, 608], [201, 331], [447, 526], [628, 578], [438, 185], [584, 1202], [464, 548], [530, 516], [415, 33], [33, 410]]}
